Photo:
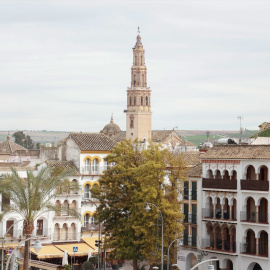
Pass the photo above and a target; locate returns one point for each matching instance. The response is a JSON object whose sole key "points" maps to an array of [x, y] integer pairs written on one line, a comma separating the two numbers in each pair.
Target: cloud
{"points": [[65, 65]]}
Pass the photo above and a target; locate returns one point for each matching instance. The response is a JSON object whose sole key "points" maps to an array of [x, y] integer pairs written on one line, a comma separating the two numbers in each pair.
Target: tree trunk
{"points": [[28, 229], [135, 264]]}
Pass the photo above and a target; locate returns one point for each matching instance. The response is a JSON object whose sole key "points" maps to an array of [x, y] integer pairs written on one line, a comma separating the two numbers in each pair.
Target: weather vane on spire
{"points": [[138, 30]]}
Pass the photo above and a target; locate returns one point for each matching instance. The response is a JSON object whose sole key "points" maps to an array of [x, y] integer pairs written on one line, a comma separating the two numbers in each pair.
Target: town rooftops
{"points": [[93, 141], [238, 152], [158, 136], [68, 165], [8, 147]]}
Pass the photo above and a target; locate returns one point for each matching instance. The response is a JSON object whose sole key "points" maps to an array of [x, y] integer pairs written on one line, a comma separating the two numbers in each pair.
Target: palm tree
{"points": [[32, 196]]}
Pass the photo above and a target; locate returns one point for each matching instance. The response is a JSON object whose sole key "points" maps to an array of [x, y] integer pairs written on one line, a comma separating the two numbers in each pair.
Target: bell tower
{"points": [[138, 113]]}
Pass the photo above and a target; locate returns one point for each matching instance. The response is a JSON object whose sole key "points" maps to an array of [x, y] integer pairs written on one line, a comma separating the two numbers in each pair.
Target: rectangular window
{"points": [[186, 212], [186, 190], [40, 227], [194, 213], [193, 236], [194, 191], [8, 225], [186, 236]]}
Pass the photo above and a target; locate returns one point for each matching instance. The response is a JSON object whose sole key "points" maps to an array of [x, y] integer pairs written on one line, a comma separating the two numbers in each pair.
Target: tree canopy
{"points": [[23, 140], [140, 175]]}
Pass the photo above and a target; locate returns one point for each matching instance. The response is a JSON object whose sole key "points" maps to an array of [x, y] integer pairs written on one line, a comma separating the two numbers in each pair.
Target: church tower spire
{"points": [[138, 114]]}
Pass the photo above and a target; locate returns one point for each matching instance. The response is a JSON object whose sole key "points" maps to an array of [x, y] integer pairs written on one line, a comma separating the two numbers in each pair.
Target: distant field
{"points": [[215, 135], [194, 136]]}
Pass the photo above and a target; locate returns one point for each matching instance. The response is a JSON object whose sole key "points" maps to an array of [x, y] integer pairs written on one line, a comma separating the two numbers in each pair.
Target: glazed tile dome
{"points": [[111, 129]]}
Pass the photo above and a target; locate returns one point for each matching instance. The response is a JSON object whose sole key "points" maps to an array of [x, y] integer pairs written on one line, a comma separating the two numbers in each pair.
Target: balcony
{"points": [[219, 245], [219, 183], [91, 227], [91, 170], [65, 236], [255, 185], [67, 212], [254, 217], [208, 214]]}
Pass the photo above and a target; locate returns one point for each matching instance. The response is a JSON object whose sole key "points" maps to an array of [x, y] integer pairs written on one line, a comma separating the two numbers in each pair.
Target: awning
{"points": [[91, 242], [81, 247], [49, 251]]}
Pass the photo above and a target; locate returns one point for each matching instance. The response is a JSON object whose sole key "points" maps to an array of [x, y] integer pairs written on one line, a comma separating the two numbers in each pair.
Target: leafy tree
{"points": [[23, 140], [19, 137], [32, 196], [38, 144], [139, 176]]}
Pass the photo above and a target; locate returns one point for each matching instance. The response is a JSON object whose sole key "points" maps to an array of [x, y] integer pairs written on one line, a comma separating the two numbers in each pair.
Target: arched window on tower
{"points": [[146, 101], [141, 100], [141, 60], [134, 100], [130, 101]]}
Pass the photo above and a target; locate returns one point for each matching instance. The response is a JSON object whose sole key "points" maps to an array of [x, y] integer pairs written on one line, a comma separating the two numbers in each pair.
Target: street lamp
{"points": [[168, 254], [92, 228], [210, 266], [147, 209], [37, 246]]}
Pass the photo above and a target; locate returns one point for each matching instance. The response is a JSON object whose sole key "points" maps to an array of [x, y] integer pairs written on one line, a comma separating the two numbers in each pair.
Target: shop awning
{"points": [[91, 242], [82, 248], [49, 251]]}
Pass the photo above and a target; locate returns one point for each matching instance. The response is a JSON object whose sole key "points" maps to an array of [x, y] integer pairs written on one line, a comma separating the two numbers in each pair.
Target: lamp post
{"points": [[92, 228], [210, 266], [147, 208], [37, 246], [168, 254], [3, 241]]}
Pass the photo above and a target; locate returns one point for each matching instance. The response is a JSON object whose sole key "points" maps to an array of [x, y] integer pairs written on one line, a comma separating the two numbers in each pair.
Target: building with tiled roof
{"points": [[9, 147], [66, 165], [238, 152], [92, 141], [233, 211], [167, 138]]}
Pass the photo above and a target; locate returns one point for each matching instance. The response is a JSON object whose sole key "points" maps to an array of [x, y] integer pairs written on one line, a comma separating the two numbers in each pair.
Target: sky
{"points": [[65, 65]]}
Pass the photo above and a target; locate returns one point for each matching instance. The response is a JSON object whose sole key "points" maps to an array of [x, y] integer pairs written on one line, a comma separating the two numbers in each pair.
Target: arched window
{"points": [[56, 234], [134, 100], [146, 101], [65, 208], [141, 100], [130, 100], [86, 221], [93, 220], [87, 166], [64, 232], [86, 193], [95, 166]]}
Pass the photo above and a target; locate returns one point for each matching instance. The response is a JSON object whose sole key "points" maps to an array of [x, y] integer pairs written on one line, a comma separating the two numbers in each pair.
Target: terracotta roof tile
{"points": [[195, 171], [192, 158], [93, 141], [8, 147], [238, 152], [68, 165]]}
